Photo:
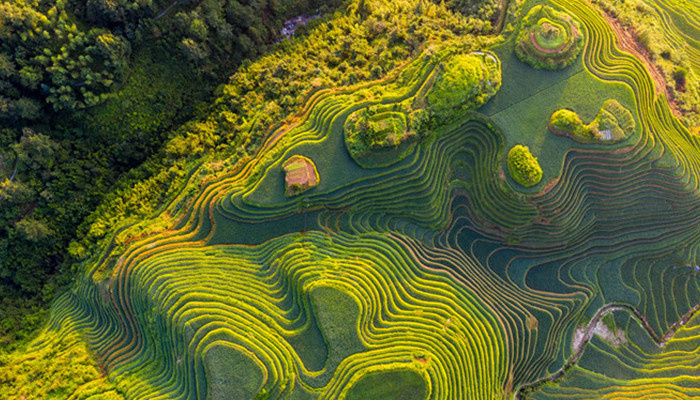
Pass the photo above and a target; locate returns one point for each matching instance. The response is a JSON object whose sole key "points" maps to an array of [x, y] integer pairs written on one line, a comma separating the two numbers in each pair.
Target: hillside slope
{"points": [[430, 273]]}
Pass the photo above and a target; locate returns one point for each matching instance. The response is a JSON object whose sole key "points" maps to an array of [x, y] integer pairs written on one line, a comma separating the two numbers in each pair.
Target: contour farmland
{"points": [[417, 266]]}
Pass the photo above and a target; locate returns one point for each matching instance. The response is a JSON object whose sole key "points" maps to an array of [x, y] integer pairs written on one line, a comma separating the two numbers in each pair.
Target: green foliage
{"points": [[614, 116], [33, 229], [666, 50], [47, 59], [45, 191], [568, 121], [382, 134], [523, 166], [374, 128], [20, 318], [217, 36], [57, 365], [14, 191], [483, 14], [549, 38], [613, 123], [467, 82], [549, 35], [35, 150], [337, 51]]}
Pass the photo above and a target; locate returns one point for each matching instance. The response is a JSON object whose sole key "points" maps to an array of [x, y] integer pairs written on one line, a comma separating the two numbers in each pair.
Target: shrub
{"points": [[613, 123], [523, 166], [569, 122]]}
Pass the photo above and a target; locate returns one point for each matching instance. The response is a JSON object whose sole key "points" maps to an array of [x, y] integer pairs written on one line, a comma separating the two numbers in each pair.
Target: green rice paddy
{"points": [[430, 276]]}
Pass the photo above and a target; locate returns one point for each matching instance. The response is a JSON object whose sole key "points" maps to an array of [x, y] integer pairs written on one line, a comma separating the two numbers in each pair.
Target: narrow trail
{"points": [[574, 35], [12, 177], [161, 15], [588, 336], [500, 22]]}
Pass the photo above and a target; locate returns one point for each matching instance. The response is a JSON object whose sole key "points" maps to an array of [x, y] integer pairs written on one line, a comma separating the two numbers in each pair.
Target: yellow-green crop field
{"points": [[427, 272]]}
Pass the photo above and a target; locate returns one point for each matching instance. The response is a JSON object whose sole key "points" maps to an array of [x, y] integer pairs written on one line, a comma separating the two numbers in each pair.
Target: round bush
{"points": [[523, 166]]}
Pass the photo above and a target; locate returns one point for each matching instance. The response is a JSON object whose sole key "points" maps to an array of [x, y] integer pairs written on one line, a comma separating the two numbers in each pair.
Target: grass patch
{"points": [[403, 384], [338, 316], [231, 374], [310, 346]]}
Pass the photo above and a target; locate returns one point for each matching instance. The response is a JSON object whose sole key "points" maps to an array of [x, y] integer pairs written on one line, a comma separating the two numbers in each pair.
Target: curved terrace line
{"points": [[588, 336]]}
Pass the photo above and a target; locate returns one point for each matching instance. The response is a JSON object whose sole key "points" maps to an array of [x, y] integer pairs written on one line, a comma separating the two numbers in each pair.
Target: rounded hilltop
{"points": [[379, 135], [549, 39], [300, 175]]}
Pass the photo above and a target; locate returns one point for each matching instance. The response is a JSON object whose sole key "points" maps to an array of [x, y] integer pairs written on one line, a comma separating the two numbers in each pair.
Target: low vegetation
{"points": [[612, 124], [383, 129], [445, 93], [59, 366], [523, 166]]}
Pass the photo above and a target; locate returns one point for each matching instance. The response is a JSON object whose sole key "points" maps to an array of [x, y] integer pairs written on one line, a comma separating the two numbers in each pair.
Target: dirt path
{"points": [[165, 11], [12, 177], [627, 42]]}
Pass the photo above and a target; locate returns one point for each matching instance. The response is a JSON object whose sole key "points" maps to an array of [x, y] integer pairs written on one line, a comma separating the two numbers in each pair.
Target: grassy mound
{"points": [[300, 175], [231, 374], [613, 123], [384, 132], [436, 89], [523, 166], [549, 38]]}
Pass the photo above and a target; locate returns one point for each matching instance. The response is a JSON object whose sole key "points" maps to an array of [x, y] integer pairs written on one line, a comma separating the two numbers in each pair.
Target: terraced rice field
{"points": [[435, 277]]}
